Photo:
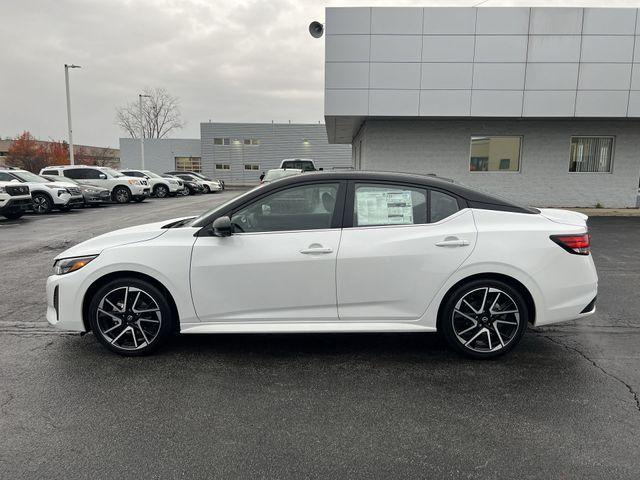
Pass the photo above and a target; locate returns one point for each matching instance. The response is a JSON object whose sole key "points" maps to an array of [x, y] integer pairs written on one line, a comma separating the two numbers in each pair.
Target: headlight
{"points": [[134, 182], [68, 265]]}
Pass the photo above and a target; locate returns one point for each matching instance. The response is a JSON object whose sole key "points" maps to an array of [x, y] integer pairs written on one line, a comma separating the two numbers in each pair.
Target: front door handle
{"points": [[316, 248], [452, 242]]}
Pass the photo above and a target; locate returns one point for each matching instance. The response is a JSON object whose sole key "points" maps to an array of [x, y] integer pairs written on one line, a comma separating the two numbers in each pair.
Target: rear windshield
{"points": [[304, 165]]}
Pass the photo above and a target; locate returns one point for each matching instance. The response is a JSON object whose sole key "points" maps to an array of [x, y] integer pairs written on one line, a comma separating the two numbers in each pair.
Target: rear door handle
{"points": [[316, 249], [452, 242]]}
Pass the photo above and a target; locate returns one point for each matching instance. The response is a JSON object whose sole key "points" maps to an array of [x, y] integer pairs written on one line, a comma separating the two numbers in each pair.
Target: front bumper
{"points": [[95, 198], [76, 201], [62, 200], [14, 205], [64, 303]]}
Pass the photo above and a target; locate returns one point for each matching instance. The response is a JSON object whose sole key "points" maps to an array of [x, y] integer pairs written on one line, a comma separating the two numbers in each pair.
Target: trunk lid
{"points": [[566, 217]]}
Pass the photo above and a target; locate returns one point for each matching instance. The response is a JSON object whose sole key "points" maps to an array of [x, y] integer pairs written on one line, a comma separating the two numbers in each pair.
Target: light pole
{"points": [[142, 129], [66, 80]]}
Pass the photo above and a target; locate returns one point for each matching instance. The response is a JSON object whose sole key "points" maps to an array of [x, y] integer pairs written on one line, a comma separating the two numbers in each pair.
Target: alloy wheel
{"points": [[129, 318], [41, 204], [486, 320], [161, 191]]}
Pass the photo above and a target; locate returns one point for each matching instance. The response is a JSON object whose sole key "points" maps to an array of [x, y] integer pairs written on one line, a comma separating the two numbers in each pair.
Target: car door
{"points": [[280, 263], [399, 245]]}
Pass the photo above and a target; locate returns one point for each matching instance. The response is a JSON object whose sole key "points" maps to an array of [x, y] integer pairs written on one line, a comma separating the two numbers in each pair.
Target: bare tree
{"points": [[160, 115]]}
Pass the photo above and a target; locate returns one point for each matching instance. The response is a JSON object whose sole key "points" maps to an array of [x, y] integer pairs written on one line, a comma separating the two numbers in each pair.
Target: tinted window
{"points": [[77, 173], [442, 205], [49, 172], [5, 177], [377, 204], [305, 166], [305, 207]]}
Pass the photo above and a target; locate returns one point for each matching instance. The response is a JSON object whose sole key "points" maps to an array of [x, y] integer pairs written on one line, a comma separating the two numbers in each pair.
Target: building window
{"points": [[251, 166], [591, 154], [251, 141], [188, 164], [495, 154], [223, 166], [221, 141]]}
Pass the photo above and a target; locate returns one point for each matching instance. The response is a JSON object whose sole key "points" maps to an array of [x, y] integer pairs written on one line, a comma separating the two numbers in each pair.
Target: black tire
{"points": [[471, 321], [121, 195], [206, 189], [192, 191], [42, 203], [161, 191], [137, 334], [13, 215]]}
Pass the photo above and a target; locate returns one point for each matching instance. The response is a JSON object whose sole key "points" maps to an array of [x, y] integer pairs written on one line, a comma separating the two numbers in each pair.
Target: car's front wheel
{"points": [[206, 189], [161, 191], [41, 203], [130, 316], [122, 194], [484, 318]]}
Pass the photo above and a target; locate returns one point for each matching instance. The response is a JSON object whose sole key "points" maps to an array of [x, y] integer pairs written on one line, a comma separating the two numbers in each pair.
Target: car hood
{"points": [[125, 236]]}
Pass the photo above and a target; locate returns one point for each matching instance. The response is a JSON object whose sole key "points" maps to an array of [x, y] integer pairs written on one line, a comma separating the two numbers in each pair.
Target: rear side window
{"points": [[442, 205], [77, 173], [50, 172], [377, 204]]}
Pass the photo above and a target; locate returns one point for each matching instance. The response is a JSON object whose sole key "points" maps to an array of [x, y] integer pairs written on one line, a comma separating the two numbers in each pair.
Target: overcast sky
{"points": [[228, 61]]}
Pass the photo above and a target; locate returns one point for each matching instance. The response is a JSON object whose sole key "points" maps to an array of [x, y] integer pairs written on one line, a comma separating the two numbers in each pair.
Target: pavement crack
{"points": [[595, 364]]}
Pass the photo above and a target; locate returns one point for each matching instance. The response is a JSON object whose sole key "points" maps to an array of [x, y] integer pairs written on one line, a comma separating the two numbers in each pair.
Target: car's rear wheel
{"points": [[122, 194], [161, 191], [131, 317], [41, 203], [484, 318]]}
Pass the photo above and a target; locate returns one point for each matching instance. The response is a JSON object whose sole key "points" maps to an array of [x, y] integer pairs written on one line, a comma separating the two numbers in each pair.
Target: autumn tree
{"points": [[24, 153], [160, 114], [55, 153]]}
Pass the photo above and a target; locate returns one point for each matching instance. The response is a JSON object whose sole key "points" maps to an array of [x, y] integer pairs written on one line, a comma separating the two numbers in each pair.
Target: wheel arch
{"points": [[511, 281], [98, 283], [119, 185]]}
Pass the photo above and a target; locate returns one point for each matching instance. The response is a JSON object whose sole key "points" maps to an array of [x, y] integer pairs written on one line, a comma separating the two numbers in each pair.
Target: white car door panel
{"points": [[392, 272], [271, 276]]}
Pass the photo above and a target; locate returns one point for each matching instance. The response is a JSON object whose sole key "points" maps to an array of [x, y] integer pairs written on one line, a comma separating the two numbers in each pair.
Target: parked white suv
{"points": [[160, 187], [123, 189], [45, 194], [15, 199]]}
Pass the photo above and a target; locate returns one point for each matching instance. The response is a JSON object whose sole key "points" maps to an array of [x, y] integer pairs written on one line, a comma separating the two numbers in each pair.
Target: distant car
{"points": [[92, 195], [45, 194], [278, 173], [194, 184], [182, 188], [304, 164], [123, 188], [201, 177], [160, 187], [209, 185], [15, 199]]}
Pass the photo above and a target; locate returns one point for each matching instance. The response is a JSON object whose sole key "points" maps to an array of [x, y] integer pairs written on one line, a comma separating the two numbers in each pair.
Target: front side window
{"points": [[388, 205], [188, 164], [5, 177], [495, 154], [591, 154], [304, 207]]}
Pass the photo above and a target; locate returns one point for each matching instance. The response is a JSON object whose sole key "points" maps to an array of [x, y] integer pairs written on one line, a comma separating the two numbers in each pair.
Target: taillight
{"points": [[578, 244]]}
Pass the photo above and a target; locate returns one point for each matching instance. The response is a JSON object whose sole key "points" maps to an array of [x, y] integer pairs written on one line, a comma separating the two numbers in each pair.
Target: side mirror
{"points": [[222, 227], [103, 176]]}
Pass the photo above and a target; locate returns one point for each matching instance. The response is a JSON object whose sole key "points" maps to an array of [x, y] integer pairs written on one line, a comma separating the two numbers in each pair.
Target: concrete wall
{"points": [[442, 147], [479, 62], [159, 154], [276, 142]]}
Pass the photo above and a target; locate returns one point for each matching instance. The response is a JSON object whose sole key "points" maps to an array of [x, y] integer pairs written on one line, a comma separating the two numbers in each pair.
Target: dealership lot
{"points": [[563, 404]]}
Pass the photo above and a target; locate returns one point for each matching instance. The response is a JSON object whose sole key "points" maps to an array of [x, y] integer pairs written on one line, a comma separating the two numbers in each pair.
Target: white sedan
{"points": [[333, 252]]}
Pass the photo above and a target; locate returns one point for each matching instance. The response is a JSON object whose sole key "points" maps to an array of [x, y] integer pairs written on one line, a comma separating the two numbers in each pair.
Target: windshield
{"points": [[111, 172], [30, 177], [199, 175], [276, 174], [150, 174], [224, 205]]}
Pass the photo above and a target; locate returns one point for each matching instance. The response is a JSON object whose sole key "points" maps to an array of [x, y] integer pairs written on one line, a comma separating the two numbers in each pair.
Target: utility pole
{"points": [[66, 80], [142, 130]]}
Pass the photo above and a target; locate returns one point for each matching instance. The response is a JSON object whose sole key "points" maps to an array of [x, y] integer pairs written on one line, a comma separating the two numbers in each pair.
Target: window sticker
{"points": [[384, 207]]}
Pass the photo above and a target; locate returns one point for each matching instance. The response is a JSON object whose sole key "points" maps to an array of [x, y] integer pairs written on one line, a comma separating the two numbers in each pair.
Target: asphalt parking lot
{"points": [[564, 404]]}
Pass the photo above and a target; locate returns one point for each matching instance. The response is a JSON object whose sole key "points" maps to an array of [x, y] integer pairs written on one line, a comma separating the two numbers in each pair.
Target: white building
{"points": [[541, 105]]}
